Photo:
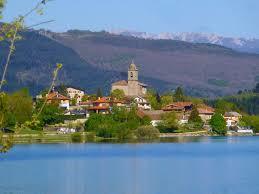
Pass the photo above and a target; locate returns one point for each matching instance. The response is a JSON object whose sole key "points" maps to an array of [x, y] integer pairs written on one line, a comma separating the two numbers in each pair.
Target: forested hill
{"points": [[36, 57], [96, 59]]}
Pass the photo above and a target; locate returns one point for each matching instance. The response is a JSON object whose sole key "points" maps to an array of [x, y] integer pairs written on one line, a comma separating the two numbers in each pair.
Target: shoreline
{"points": [[48, 138]]}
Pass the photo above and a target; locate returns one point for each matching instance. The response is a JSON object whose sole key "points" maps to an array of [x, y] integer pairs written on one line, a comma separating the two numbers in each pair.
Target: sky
{"points": [[233, 18]]}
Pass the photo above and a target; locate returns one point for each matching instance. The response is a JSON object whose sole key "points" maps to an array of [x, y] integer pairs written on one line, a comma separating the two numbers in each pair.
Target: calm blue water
{"points": [[197, 166]]}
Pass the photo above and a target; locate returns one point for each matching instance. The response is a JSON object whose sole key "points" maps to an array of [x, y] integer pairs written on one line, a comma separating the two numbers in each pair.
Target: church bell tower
{"points": [[133, 84], [132, 72]]}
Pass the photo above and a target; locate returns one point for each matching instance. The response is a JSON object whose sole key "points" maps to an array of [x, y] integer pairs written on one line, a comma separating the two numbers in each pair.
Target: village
{"points": [[132, 93]]}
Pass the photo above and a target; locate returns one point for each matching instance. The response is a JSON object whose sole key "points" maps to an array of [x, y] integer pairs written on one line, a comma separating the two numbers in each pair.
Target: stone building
{"points": [[132, 87]]}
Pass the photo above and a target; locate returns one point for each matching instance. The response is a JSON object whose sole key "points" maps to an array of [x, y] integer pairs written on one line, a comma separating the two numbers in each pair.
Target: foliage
{"points": [[6, 143], [147, 132], [245, 102], [76, 137], [194, 116], [99, 93], [50, 114], [256, 89], [85, 98], [118, 94], [218, 124], [169, 123], [120, 123], [15, 108], [223, 106], [152, 98], [166, 99], [251, 121], [179, 95], [74, 101]]}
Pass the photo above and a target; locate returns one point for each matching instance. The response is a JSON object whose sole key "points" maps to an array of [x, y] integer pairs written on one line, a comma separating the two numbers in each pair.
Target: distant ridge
{"points": [[250, 45], [96, 59]]}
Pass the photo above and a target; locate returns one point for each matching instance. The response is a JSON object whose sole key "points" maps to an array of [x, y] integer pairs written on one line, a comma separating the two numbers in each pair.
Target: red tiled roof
{"points": [[204, 109], [120, 83], [56, 96], [99, 108], [177, 106], [101, 100], [86, 103]]}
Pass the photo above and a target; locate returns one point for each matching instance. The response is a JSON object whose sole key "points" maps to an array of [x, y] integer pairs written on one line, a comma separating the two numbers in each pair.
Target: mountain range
{"points": [[250, 45], [96, 59]]}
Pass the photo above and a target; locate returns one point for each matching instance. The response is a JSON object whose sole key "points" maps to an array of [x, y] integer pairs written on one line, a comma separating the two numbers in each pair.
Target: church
{"points": [[132, 87]]}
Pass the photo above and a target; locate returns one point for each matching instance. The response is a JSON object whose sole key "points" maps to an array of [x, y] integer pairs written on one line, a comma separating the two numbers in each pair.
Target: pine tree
{"points": [[158, 98], [99, 93], [179, 94], [194, 116], [256, 89]]}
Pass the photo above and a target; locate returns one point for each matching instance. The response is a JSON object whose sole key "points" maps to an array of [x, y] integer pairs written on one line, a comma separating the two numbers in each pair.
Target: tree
{"points": [[118, 94], [169, 123], [99, 93], [223, 106], [85, 98], [256, 89], [151, 97], [179, 95], [21, 106], [194, 116], [166, 99], [15, 108], [251, 121], [74, 101], [158, 98], [218, 124], [50, 115], [147, 132]]}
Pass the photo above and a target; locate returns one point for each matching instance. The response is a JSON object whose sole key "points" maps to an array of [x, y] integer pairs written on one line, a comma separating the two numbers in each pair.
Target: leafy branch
{"points": [[55, 75]]}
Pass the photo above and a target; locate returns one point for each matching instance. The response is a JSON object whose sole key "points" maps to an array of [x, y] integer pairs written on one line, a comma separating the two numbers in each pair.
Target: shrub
{"points": [[90, 136], [76, 137], [147, 132]]}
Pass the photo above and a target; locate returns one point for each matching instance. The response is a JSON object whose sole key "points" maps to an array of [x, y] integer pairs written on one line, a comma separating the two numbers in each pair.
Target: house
{"points": [[100, 106], [142, 103], [179, 107], [75, 93], [205, 112], [154, 115], [56, 98], [232, 118], [132, 87]]}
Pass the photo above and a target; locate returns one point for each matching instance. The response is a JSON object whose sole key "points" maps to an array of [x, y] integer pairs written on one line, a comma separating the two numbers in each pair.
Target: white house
{"points": [[75, 93], [232, 118], [142, 103]]}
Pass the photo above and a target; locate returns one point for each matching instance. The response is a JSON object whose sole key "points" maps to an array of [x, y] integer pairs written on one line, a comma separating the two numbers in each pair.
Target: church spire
{"points": [[132, 66]]}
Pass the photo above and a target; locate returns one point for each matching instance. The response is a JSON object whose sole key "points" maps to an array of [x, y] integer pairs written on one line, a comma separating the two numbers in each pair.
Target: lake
{"points": [[190, 165]]}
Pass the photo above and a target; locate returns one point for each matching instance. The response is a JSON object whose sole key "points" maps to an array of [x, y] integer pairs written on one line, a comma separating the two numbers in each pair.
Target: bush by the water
{"points": [[147, 132], [76, 137], [120, 124]]}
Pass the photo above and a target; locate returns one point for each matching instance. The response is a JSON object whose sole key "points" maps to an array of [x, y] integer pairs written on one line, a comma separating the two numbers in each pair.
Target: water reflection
{"points": [[186, 165]]}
